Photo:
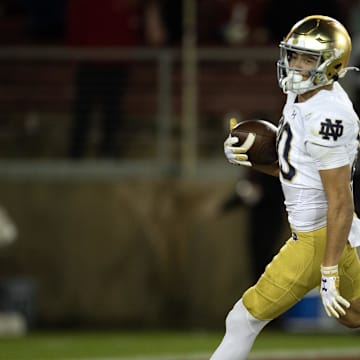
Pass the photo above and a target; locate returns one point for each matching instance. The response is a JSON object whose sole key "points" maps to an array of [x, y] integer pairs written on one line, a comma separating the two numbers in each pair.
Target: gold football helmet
{"points": [[323, 37]]}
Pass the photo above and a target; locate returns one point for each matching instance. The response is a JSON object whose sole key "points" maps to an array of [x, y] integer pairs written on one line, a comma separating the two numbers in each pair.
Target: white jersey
{"points": [[320, 133]]}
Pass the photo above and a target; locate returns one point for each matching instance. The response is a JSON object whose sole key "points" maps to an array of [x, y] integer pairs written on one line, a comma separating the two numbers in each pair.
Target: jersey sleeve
{"points": [[329, 131], [328, 157], [328, 134]]}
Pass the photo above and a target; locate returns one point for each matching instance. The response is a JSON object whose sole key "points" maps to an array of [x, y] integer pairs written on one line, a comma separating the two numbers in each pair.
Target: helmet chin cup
{"points": [[296, 77], [294, 82]]}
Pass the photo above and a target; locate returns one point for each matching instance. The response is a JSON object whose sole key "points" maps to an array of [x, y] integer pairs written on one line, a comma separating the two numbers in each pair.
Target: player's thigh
{"points": [[291, 274], [352, 317]]}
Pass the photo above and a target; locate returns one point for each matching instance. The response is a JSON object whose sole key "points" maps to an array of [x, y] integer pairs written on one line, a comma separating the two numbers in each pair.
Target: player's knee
{"points": [[234, 320], [350, 323], [354, 324], [352, 317], [240, 320]]}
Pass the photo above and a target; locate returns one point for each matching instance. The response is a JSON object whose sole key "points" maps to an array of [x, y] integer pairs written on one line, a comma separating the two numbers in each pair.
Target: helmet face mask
{"points": [[319, 36]]}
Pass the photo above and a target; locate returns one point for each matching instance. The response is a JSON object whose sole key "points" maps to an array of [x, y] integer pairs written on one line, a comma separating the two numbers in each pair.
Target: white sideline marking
{"points": [[259, 355]]}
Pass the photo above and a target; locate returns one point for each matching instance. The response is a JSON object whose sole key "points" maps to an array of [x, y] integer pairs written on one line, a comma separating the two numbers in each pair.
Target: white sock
{"points": [[241, 331]]}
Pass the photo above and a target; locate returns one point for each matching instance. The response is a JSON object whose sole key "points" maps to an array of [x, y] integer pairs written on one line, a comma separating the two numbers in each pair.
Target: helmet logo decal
{"points": [[320, 39], [331, 129]]}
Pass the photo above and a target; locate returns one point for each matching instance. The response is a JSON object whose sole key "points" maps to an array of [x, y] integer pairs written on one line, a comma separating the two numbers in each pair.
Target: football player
{"points": [[317, 146]]}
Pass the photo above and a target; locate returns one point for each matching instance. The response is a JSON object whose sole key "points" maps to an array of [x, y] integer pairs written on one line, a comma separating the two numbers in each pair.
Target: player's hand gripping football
{"points": [[333, 302], [237, 154]]}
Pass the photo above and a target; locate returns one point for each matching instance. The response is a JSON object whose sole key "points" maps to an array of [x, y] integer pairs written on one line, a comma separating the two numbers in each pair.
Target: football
{"points": [[263, 151]]}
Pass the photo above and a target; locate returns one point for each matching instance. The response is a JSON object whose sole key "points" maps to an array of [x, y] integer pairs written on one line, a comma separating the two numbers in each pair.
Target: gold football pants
{"points": [[294, 271]]}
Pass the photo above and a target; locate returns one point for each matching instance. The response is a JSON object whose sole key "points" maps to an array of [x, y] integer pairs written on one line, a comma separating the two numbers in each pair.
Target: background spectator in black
{"points": [[172, 19]]}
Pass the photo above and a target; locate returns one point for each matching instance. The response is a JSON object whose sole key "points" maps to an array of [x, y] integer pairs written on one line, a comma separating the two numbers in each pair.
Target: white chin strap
{"points": [[294, 82]]}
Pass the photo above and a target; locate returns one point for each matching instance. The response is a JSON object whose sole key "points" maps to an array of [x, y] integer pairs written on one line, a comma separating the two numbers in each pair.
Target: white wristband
{"points": [[329, 270]]}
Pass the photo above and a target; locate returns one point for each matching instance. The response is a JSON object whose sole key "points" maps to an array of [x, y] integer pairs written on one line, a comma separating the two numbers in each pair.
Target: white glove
{"points": [[237, 154], [333, 302]]}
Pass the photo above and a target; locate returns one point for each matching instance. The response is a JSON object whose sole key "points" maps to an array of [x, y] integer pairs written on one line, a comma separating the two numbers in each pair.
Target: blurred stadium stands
{"points": [[37, 94]]}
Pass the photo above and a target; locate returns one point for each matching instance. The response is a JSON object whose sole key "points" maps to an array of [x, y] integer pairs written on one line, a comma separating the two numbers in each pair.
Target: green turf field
{"points": [[160, 345]]}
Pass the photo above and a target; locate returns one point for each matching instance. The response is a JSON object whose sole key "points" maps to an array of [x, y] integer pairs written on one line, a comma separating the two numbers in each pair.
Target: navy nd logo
{"points": [[331, 129]]}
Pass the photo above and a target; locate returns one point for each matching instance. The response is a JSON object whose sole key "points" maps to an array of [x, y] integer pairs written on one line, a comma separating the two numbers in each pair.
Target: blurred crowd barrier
{"points": [[130, 252]]}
